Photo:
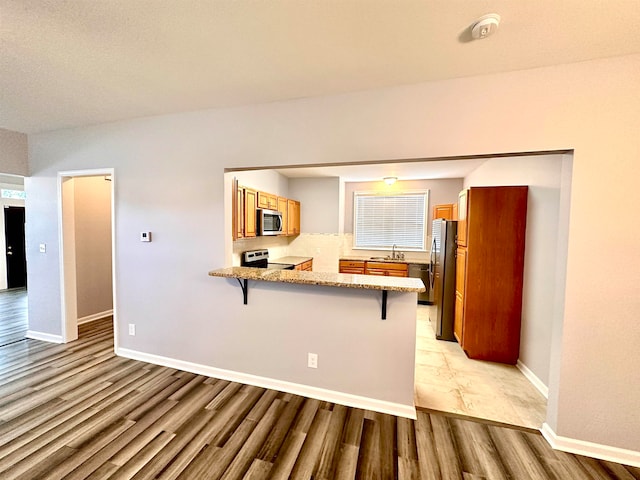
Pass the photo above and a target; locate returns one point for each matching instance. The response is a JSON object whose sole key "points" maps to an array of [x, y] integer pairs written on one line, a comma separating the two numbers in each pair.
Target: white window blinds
{"points": [[381, 221]]}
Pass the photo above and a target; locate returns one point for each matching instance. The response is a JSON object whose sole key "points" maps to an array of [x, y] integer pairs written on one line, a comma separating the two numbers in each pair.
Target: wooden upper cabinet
{"points": [[236, 210], [454, 212], [282, 208], [239, 212], [250, 202], [462, 217], [444, 210], [293, 217], [267, 201], [245, 202]]}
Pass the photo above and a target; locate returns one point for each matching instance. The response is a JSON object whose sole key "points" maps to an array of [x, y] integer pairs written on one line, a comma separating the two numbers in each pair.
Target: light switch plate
{"points": [[145, 236]]}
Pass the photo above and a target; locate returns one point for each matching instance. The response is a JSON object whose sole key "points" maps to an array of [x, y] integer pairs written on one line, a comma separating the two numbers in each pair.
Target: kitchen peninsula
{"points": [[338, 318]]}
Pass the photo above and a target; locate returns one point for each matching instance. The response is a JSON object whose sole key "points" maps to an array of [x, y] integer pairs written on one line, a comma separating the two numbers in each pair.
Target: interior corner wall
{"points": [[557, 323], [92, 199], [543, 176], [319, 203], [14, 153], [269, 181], [170, 181]]}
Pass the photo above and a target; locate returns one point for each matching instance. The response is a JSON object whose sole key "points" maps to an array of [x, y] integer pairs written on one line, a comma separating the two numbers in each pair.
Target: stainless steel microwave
{"points": [[269, 222]]}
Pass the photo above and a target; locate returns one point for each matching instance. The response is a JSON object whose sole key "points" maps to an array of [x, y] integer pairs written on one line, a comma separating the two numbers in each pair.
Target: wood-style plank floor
{"points": [[13, 315], [77, 411]]}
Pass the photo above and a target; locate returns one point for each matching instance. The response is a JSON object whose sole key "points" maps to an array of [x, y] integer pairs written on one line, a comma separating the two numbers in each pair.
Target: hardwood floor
{"points": [[77, 411], [13, 315]]}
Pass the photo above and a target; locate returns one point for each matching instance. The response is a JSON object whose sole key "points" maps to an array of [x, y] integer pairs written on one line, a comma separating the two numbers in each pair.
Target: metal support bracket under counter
{"points": [[366, 282]]}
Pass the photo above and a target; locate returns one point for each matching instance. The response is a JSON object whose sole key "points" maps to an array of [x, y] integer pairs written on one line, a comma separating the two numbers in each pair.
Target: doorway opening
{"points": [[15, 247], [86, 226], [13, 268], [445, 382]]}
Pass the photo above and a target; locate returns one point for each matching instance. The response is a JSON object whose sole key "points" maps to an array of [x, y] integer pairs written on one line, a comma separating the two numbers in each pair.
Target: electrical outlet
{"points": [[43, 248], [132, 329], [312, 360]]}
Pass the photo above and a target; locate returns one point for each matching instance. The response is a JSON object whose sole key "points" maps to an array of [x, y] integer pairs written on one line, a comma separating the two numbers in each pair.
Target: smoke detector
{"points": [[485, 26]]}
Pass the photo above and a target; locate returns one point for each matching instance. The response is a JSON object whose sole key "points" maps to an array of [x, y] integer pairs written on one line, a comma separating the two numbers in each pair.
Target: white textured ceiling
{"points": [[377, 171], [76, 62]]}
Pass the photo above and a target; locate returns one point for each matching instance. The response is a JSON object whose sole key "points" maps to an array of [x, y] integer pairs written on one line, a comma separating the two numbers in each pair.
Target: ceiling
{"points": [[66, 63], [415, 170]]}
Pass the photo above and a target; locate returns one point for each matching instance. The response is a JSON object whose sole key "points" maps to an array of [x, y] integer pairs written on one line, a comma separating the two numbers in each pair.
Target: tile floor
{"points": [[448, 381]]}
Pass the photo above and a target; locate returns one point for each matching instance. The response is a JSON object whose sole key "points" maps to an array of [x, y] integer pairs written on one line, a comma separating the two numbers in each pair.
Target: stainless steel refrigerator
{"points": [[443, 279]]}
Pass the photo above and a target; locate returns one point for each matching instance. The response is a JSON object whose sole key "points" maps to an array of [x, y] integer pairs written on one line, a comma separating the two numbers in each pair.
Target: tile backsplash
{"points": [[325, 248]]}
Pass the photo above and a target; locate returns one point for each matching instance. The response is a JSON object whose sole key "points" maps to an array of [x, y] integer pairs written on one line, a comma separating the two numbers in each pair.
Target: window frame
{"points": [[367, 193], [14, 195]]}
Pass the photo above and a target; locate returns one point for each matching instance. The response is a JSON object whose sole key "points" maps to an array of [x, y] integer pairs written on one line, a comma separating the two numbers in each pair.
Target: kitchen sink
{"points": [[388, 257]]}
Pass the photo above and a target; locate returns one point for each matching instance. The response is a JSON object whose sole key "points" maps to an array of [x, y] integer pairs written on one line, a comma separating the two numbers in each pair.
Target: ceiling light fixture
{"points": [[390, 180], [485, 26]]}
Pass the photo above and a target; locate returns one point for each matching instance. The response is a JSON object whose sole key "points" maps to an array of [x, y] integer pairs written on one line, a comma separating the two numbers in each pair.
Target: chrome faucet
{"points": [[393, 252]]}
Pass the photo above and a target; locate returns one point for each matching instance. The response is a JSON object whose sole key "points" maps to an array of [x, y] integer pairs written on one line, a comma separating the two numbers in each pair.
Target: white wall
{"points": [[319, 221], [542, 174], [14, 153], [93, 245], [319, 203], [268, 181], [591, 107]]}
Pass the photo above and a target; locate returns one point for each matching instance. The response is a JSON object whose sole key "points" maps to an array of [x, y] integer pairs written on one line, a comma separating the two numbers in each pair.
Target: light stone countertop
{"points": [[291, 260], [368, 282], [354, 258]]}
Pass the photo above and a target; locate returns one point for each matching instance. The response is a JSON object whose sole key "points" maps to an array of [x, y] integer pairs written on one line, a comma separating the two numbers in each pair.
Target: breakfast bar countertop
{"points": [[293, 260], [345, 280]]}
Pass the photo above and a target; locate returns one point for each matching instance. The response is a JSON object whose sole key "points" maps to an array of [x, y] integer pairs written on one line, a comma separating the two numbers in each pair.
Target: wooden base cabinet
{"points": [[387, 269], [305, 267], [489, 275], [384, 269], [350, 266]]}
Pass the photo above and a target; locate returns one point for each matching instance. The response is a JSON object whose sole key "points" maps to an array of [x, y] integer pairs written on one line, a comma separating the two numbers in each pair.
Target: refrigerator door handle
{"points": [[432, 254]]}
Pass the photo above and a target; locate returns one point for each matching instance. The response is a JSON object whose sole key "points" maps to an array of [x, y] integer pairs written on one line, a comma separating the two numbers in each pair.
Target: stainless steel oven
{"points": [[260, 259]]}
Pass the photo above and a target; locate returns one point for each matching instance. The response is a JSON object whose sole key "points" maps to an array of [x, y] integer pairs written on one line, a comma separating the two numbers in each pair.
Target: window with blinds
{"points": [[381, 221]]}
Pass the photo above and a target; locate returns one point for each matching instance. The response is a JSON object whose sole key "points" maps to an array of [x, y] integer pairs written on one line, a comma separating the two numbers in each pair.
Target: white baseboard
{"points": [[45, 337], [342, 398], [589, 449], [539, 384], [95, 316]]}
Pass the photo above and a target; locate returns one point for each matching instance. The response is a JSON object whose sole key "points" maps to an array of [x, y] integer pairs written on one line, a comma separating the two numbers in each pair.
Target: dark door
{"points": [[16, 258]]}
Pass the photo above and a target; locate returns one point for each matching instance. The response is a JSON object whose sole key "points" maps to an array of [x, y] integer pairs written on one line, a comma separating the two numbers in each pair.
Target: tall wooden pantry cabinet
{"points": [[489, 271]]}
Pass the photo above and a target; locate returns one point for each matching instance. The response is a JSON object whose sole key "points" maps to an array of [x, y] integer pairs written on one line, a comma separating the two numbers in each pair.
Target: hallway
{"points": [[13, 315]]}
